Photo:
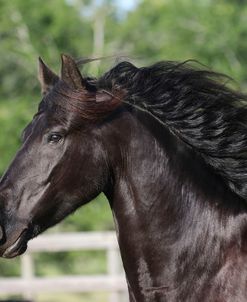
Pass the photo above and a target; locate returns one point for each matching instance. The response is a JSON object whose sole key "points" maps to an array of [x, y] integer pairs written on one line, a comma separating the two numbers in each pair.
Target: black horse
{"points": [[167, 144]]}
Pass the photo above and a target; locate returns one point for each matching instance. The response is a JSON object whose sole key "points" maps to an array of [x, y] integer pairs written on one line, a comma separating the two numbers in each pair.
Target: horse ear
{"points": [[47, 78], [70, 73]]}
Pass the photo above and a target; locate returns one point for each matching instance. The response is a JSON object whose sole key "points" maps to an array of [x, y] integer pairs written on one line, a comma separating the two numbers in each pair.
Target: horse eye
{"points": [[54, 138]]}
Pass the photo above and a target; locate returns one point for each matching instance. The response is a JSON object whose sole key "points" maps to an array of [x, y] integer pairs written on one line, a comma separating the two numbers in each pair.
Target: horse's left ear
{"points": [[47, 77], [70, 73]]}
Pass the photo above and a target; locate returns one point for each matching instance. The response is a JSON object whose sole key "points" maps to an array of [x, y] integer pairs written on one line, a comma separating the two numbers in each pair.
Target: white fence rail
{"points": [[28, 284]]}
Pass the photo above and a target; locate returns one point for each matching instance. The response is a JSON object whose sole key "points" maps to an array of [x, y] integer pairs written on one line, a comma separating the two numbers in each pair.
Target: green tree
{"points": [[31, 28], [213, 32]]}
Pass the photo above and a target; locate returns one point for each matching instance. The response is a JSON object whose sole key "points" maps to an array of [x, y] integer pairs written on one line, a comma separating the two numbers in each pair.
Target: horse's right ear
{"points": [[47, 78]]}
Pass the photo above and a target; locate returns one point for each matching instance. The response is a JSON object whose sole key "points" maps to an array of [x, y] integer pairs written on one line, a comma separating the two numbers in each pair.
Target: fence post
{"points": [[27, 273], [113, 268]]}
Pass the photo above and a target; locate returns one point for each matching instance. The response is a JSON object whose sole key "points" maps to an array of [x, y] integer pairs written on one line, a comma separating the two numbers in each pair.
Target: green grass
{"points": [[63, 297]]}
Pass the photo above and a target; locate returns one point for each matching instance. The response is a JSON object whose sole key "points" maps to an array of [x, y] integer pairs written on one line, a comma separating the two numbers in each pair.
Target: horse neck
{"points": [[176, 220]]}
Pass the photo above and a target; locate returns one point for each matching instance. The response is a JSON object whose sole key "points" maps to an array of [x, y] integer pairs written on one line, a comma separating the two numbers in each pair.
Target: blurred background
{"points": [[213, 32]]}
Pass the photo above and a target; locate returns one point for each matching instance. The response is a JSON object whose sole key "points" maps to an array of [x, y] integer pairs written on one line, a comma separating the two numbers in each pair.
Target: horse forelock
{"points": [[81, 102]]}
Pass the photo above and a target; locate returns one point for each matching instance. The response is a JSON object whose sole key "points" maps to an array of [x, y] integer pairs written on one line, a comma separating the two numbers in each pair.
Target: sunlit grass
{"points": [[63, 297], [87, 297]]}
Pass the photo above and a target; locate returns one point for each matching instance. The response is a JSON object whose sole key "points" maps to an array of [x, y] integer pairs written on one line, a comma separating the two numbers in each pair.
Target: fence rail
{"points": [[63, 284], [28, 284]]}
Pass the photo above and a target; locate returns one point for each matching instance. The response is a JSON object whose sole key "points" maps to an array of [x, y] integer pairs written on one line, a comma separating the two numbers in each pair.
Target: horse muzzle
{"points": [[12, 245]]}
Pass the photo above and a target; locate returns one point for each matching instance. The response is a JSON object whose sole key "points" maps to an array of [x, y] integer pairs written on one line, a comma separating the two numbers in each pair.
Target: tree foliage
{"points": [[212, 32]]}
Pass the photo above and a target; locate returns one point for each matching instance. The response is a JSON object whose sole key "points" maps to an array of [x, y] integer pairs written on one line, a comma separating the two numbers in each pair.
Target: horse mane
{"points": [[195, 105]]}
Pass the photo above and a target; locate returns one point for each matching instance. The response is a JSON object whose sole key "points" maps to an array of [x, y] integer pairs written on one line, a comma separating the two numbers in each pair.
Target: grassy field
{"points": [[62, 297]]}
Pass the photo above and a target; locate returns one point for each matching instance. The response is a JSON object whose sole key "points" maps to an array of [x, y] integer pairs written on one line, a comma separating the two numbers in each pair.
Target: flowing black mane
{"points": [[197, 106]]}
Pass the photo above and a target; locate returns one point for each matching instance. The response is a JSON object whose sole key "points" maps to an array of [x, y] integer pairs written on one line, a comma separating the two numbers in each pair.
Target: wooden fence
{"points": [[28, 284]]}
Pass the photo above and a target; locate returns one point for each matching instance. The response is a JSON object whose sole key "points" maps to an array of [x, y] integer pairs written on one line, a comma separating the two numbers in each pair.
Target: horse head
{"points": [[61, 164]]}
